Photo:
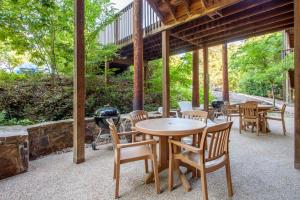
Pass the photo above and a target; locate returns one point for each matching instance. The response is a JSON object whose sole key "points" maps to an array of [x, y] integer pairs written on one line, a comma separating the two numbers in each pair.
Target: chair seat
{"points": [[209, 164], [135, 153]]}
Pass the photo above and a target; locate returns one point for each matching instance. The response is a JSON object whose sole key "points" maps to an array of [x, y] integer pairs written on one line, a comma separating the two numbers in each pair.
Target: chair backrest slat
{"points": [[195, 114], [113, 131], [216, 138], [138, 115], [249, 110]]}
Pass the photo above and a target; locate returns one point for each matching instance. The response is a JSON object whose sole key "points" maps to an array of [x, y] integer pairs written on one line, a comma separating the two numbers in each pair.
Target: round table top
{"points": [[170, 126]]}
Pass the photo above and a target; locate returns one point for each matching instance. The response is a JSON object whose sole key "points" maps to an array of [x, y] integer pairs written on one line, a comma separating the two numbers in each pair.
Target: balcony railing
{"points": [[121, 30]]}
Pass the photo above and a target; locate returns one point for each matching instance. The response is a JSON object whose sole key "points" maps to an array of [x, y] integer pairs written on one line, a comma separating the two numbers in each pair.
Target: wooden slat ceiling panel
{"points": [[245, 19]]}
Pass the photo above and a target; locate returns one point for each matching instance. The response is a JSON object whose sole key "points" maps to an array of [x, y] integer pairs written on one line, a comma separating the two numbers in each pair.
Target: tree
{"points": [[258, 61], [44, 29]]}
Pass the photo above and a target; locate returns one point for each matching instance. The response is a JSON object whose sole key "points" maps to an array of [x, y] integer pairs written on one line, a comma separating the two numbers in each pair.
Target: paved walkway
{"points": [[262, 168], [239, 97]]}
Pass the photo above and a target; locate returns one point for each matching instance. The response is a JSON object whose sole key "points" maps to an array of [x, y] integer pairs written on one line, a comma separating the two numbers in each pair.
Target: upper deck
{"points": [[194, 24]]}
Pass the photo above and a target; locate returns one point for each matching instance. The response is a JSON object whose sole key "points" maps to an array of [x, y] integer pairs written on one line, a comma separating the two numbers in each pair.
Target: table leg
{"points": [[164, 163]]}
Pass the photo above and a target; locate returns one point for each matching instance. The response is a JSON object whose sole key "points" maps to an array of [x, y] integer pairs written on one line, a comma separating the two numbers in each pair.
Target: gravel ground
{"points": [[262, 168]]}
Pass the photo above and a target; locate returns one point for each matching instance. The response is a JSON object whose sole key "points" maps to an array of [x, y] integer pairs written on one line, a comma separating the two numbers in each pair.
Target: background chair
{"points": [[280, 118], [231, 111], [212, 155], [196, 115], [130, 152], [249, 115]]}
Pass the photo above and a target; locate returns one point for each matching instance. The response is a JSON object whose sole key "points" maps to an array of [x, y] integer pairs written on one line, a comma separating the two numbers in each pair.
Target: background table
{"points": [[165, 128]]}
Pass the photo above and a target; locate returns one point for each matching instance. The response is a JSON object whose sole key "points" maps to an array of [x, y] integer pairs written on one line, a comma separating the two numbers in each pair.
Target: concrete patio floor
{"points": [[262, 168]]}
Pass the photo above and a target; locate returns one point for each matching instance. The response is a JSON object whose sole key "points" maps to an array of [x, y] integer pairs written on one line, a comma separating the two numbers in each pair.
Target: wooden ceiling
{"points": [[177, 11], [241, 20]]}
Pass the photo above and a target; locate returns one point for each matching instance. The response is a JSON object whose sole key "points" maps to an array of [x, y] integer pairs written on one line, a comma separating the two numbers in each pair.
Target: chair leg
{"points": [[117, 179], [114, 177], [283, 126], [257, 127], [155, 170], [204, 184], [241, 122], [146, 166], [228, 178], [170, 175]]}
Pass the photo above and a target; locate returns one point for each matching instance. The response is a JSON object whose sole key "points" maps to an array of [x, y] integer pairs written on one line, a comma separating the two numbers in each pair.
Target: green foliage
{"points": [[258, 65], [9, 122], [45, 30], [26, 99], [180, 79]]}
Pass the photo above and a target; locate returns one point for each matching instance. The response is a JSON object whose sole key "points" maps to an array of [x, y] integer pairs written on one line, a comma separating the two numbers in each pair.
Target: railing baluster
{"points": [[121, 30]]}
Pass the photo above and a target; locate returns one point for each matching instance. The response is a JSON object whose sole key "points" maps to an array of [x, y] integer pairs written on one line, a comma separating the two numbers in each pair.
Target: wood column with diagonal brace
{"points": [[297, 82], [225, 73], [79, 85], [166, 73], [205, 78], [138, 99], [195, 92]]}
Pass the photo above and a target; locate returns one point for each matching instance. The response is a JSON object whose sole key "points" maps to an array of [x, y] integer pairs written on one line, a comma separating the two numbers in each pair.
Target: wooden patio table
{"points": [[164, 128], [262, 108]]}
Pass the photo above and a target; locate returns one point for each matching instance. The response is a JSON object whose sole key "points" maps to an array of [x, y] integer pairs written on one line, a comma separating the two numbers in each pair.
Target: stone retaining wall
{"points": [[13, 153], [50, 137]]}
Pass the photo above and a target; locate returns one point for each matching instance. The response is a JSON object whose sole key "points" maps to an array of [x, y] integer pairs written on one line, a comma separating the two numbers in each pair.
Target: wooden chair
{"points": [[130, 152], [196, 115], [135, 117], [212, 155], [249, 115], [231, 111], [281, 118]]}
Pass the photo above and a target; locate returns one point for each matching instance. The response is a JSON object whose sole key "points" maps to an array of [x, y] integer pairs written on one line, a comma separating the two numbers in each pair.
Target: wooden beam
{"points": [[79, 85], [166, 73], [187, 28], [170, 8], [186, 4], [138, 58], [297, 82], [156, 9], [205, 78], [195, 91], [264, 19], [238, 18], [225, 73], [204, 4]]}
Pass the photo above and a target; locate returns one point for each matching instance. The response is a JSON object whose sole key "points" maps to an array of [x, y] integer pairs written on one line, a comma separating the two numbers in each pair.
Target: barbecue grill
{"points": [[100, 116], [218, 107]]}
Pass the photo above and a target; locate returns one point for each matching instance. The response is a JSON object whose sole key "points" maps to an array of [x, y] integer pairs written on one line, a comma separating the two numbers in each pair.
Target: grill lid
{"points": [[107, 111]]}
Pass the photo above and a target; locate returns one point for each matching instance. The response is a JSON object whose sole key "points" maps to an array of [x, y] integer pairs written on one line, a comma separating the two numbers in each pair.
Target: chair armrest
{"points": [[185, 146], [128, 133], [275, 111], [134, 144]]}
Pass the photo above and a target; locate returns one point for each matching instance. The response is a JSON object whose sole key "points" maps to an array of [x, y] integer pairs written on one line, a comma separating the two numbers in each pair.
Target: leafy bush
{"points": [[30, 99]]}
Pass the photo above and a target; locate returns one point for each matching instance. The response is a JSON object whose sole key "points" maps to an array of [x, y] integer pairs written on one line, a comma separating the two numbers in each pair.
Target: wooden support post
{"points": [[79, 85], [297, 82], [106, 79], [225, 73], [166, 73], [195, 92], [146, 73], [205, 78], [138, 99]]}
